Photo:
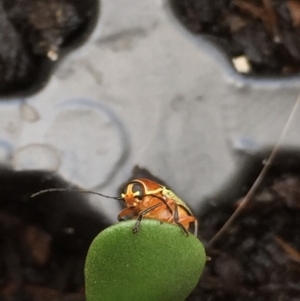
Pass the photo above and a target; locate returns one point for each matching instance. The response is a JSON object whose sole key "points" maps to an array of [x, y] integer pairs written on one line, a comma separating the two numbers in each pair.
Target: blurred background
{"points": [[142, 89]]}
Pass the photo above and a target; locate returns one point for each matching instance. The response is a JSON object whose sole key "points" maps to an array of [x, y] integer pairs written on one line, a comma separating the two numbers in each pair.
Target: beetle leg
{"points": [[136, 227], [176, 220], [190, 219], [164, 201], [195, 227]]}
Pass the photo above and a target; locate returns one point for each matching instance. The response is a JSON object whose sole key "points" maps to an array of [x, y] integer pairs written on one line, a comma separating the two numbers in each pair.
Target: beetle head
{"points": [[133, 194], [135, 191]]}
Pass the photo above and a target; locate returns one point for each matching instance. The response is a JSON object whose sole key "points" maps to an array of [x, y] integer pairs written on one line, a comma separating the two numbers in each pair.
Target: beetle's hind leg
{"points": [[177, 222], [185, 220], [195, 227]]}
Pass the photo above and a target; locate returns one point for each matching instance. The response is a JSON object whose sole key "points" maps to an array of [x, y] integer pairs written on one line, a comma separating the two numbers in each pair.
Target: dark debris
{"points": [[31, 269], [265, 32], [43, 240], [33, 34]]}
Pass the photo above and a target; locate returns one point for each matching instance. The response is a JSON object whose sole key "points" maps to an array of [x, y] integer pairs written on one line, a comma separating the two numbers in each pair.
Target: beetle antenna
{"points": [[260, 177], [71, 190]]}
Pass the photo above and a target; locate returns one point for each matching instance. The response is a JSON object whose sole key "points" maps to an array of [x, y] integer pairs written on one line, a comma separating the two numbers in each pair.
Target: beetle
{"points": [[145, 198], [148, 199]]}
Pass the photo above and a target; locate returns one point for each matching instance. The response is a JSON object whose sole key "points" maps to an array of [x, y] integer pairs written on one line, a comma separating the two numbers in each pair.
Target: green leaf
{"points": [[159, 263]]}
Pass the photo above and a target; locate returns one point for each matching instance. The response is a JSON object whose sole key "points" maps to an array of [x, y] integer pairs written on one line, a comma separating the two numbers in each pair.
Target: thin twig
{"points": [[260, 177]]}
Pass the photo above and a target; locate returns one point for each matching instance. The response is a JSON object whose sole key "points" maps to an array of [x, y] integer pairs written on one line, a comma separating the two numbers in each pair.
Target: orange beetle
{"points": [[147, 199]]}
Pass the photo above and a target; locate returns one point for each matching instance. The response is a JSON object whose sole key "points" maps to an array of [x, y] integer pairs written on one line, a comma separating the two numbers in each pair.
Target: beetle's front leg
{"points": [[125, 214], [136, 227]]}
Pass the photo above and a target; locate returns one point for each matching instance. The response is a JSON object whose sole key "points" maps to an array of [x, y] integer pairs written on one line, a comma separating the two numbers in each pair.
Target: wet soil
{"points": [[258, 257], [44, 240], [34, 34], [265, 33]]}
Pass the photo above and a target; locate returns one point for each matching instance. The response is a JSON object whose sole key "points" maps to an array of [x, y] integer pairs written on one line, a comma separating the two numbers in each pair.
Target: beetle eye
{"points": [[138, 191]]}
